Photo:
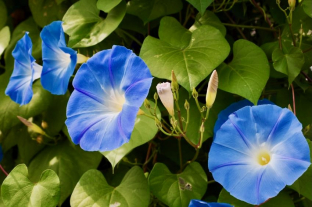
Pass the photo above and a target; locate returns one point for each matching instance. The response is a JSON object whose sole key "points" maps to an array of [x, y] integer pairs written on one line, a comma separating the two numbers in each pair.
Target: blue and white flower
{"points": [[26, 70], [59, 61], [109, 90], [199, 203], [257, 152]]}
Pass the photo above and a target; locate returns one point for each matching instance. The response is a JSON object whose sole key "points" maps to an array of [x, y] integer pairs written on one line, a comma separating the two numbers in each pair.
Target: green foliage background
{"points": [[258, 53]]}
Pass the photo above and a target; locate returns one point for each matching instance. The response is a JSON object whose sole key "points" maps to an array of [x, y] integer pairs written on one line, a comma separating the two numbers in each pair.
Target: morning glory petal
{"points": [[25, 72], [278, 154], [224, 114], [106, 99], [59, 61], [199, 203]]}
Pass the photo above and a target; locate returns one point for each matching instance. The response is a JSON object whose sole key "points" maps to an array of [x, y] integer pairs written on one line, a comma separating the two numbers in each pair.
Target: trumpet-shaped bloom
{"points": [[199, 203], [224, 114], [26, 70], [258, 151], [59, 61], [109, 90]]}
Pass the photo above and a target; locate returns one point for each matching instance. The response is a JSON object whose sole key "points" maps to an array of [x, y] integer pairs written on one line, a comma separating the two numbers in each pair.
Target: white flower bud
{"points": [[166, 96], [212, 89]]}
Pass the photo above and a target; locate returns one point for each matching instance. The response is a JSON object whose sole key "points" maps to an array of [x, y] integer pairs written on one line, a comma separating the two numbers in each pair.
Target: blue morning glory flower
{"points": [[258, 151], [109, 90], [224, 114], [199, 203], [1, 153], [59, 61], [26, 70]]}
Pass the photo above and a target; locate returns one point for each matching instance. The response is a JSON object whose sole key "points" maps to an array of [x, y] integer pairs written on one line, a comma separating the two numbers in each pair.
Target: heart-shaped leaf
{"points": [[84, 25], [69, 162], [209, 18], [282, 199], [200, 5], [289, 63], [178, 189], [192, 56], [153, 9], [93, 190], [17, 190], [144, 130], [248, 72]]}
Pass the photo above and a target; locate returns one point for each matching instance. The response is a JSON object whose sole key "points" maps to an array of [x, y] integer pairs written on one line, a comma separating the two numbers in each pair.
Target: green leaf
{"points": [[84, 25], [5, 36], [178, 189], [301, 185], [144, 130], [248, 72], [55, 115], [93, 190], [200, 5], [3, 14], [27, 25], [192, 56], [9, 109], [153, 9], [289, 63], [46, 11], [107, 5], [307, 7], [17, 189], [209, 18], [67, 161], [282, 199]]}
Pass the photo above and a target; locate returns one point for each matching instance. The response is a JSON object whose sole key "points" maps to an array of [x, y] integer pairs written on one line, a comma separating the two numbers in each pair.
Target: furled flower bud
{"points": [[292, 4], [174, 82], [194, 93], [147, 104], [166, 96], [212, 89], [31, 126], [186, 105]]}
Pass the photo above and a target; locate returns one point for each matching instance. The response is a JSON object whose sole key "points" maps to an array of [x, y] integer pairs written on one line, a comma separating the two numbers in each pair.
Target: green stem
{"points": [[131, 36], [187, 119], [180, 153], [249, 26], [211, 181]]}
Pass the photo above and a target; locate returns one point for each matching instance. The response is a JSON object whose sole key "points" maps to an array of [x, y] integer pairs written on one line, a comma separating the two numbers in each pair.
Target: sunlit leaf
{"points": [[107, 5], [5, 36], [178, 189], [200, 5], [67, 161], [248, 72], [84, 25], [93, 190], [192, 56], [18, 190]]}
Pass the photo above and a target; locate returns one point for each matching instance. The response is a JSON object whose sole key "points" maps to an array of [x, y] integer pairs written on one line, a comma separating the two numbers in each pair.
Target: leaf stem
{"points": [[3, 170], [131, 36], [180, 153], [249, 26], [293, 97]]}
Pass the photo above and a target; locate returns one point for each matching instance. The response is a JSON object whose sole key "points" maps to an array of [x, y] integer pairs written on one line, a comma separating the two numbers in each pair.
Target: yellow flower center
{"points": [[263, 157]]}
